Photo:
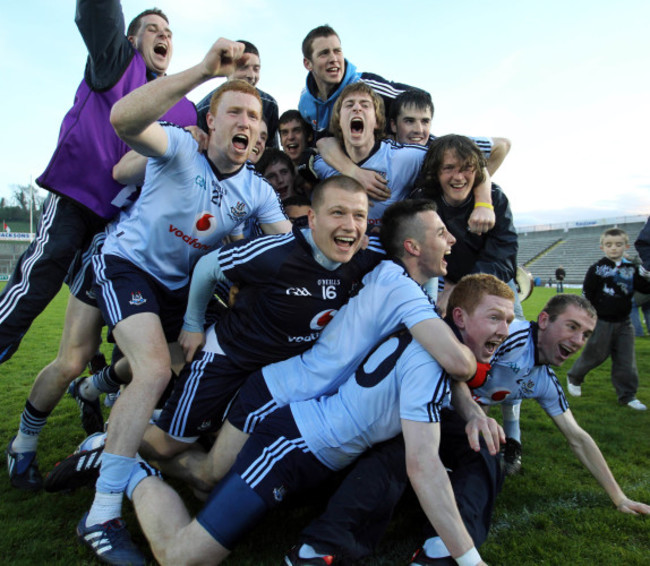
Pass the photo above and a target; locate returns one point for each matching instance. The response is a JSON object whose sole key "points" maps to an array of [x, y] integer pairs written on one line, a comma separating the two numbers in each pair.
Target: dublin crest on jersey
{"points": [[237, 212]]}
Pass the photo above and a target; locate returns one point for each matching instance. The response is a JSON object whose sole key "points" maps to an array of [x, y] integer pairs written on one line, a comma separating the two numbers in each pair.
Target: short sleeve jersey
{"points": [[516, 373], [398, 380], [399, 164], [286, 296], [388, 301], [185, 209]]}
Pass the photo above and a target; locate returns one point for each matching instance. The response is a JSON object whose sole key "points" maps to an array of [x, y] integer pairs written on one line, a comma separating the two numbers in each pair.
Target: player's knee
{"points": [[155, 378], [70, 366], [158, 445]]}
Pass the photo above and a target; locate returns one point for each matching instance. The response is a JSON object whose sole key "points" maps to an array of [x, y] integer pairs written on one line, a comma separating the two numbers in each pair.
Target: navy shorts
{"points": [[201, 396], [122, 290], [252, 405], [274, 462], [81, 276]]}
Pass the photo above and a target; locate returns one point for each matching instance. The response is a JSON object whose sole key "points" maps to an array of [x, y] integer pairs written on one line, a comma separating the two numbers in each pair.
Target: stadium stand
{"points": [[9, 253], [575, 248]]}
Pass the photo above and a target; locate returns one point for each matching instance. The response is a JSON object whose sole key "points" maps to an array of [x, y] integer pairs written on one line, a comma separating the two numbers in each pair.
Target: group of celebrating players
{"points": [[331, 356]]}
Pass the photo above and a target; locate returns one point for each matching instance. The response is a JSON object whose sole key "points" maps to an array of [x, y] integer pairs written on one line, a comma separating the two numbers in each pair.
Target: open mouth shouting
{"points": [[161, 49], [356, 126], [565, 351], [344, 243], [292, 149], [491, 345], [240, 142]]}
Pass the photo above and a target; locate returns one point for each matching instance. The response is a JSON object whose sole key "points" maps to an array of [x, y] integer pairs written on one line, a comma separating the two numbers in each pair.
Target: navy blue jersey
{"points": [[286, 297]]}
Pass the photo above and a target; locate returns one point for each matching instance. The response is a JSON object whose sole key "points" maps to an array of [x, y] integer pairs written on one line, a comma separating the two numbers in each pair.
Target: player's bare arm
{"points": [[373, 182], [500, 149], [134, 116], [435, 336], [281, 227], [207, 273], [587, 451], [432, 487]]}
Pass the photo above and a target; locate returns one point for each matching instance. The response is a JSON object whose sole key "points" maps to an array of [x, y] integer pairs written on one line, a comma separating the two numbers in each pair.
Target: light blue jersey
{"points": [[517, 375], [399, 380], [399, 164], [185, 210], [388, 301]]}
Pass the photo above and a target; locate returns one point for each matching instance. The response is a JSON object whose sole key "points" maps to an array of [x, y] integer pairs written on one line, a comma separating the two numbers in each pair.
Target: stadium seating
{"points": [[542, 252]]}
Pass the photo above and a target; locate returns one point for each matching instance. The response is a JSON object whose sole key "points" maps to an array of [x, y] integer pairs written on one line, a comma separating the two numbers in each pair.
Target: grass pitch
{"points": [[554, 513]]}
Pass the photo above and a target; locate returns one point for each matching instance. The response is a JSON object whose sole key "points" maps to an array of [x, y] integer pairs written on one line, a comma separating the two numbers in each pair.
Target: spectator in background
{"points": [[560, 274], [609, 285]]}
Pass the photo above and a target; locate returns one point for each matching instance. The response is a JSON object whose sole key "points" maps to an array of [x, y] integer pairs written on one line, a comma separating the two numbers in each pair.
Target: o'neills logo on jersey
{"points": [[322, 319], [189, 240]]}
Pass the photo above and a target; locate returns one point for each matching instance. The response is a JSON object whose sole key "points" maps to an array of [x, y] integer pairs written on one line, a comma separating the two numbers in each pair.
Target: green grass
{"points": [[553, 513]]}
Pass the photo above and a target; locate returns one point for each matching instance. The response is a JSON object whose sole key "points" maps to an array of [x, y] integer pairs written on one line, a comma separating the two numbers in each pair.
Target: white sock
{"points": [[25, 442], [106, 506]]}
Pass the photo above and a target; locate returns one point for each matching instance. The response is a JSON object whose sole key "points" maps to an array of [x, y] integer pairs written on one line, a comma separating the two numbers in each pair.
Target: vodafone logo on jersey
{"points": [[499, 395], [322, 319], [205, 223]]}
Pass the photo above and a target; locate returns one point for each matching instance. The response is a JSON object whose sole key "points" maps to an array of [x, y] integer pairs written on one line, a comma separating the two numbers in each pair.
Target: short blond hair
{"points": [[614, 233]]}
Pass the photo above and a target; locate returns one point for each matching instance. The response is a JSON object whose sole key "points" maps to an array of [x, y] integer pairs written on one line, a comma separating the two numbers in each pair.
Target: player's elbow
{"points": [[502, 145], [119, 119], [462, 366]]}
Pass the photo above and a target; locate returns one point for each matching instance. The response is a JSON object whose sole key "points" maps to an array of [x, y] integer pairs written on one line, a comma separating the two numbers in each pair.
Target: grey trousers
{"points": [[617, 339]]}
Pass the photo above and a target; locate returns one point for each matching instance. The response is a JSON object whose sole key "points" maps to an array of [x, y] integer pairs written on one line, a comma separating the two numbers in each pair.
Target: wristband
{"points": [[470, 558], [484, 204], [480, 376]]}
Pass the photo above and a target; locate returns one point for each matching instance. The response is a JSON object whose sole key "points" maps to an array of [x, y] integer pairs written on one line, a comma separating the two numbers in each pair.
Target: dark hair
{"points": [[296, 200], [320, 31], [249, 47], [272, 156], [336, 181], [335, 120], [559, 303], [400, 222], [417, 97], [134, 26], [464, 148], [290, 115]]}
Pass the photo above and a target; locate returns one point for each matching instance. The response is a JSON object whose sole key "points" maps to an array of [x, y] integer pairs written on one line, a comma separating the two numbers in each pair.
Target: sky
{"points": [[566, 81]]}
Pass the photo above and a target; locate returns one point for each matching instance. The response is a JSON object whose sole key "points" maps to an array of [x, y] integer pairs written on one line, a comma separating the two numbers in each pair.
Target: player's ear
{"points": [[542, 320], [412, 247], [209, 118], [458, 316], [310, 217], [393, 127], [307, 64]]}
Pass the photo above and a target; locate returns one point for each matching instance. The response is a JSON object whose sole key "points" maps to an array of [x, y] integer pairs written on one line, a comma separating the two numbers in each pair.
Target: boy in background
{"points": [[609, 285]]}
